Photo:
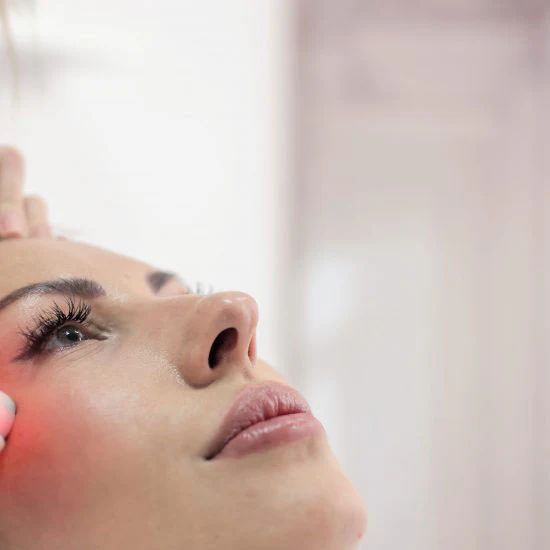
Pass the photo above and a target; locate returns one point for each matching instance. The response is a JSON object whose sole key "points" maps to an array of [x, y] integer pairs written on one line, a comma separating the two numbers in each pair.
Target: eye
{"points": [[65, 337], [59, 328], [69, 335]]}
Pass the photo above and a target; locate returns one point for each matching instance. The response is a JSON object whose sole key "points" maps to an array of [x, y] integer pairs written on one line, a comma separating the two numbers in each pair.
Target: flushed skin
{"points": [[108, 442]]}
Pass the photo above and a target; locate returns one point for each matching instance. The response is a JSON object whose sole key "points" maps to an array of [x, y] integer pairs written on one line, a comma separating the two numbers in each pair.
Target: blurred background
{"points": [[375, 173]]}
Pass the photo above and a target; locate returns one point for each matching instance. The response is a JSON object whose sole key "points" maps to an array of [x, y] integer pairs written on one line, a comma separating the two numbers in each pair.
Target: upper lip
{"points": [[255, 403]]}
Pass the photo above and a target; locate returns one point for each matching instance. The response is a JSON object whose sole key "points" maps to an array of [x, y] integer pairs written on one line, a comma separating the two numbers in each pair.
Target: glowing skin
{"points": [[109, 436]]}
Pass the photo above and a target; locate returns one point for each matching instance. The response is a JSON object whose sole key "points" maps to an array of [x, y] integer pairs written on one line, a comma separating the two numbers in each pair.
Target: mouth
{"points": [[262, 415]]}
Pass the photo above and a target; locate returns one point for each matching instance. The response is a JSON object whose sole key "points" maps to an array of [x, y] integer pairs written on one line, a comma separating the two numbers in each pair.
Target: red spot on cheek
{"points": [[39, 466]]}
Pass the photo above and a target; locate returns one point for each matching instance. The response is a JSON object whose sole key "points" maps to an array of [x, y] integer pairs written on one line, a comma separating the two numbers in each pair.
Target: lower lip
{"points": [[272, 433]]}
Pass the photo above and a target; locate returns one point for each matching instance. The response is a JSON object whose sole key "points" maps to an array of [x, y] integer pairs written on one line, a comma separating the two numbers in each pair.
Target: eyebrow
{"points": [[157, 279], [83, 288], [76, 286]]}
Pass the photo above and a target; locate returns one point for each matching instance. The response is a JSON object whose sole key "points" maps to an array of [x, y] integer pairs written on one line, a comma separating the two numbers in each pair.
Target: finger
{"points": [[7, 416], [36, 213], [12, 169]]}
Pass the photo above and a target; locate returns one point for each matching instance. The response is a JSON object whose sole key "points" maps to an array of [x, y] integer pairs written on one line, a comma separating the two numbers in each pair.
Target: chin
{"points": [[308, 504], [335, 516]]}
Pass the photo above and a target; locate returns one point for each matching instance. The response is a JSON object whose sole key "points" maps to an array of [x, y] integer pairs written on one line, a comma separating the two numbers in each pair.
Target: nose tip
{"points": [[237, 313], [223, 336]]}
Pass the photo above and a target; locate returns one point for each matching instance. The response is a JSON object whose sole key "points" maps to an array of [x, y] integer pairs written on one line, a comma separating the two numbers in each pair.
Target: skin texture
{"points": [[108, 442]]}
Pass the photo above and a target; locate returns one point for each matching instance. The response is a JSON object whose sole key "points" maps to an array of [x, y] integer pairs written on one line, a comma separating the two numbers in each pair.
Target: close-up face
{"points": [[122, 379]]}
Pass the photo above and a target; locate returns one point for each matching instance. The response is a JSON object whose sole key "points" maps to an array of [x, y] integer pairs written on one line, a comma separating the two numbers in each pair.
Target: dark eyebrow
{"points": [[157, 279], [83, 288]]}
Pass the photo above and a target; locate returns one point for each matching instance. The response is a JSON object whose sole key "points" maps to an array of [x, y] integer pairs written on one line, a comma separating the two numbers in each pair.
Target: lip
{"points": [[262, 414]]}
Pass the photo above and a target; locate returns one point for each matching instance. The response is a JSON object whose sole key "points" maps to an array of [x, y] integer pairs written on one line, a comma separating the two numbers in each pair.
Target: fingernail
{"points": [[11, 224], [2, 443]]}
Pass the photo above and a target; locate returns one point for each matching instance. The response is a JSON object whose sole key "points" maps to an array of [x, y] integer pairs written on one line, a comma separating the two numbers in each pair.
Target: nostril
{"points": [[224, 342]]}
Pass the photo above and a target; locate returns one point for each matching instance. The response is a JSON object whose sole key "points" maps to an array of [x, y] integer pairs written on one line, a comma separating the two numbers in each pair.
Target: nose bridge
{"points": [[219, 336]]}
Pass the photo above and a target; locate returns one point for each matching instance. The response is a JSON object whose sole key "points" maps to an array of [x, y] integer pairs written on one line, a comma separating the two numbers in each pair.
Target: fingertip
{"points": [[11, 225], [8, 402], [7, 419], [11, 153], [2, 443]]}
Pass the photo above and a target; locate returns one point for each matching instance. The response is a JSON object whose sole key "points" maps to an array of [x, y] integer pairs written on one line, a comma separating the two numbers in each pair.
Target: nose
{"points": [[220, 336]]}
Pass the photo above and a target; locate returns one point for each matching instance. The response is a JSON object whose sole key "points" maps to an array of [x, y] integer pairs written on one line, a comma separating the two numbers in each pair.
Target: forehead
{"points": [[26, 261]]}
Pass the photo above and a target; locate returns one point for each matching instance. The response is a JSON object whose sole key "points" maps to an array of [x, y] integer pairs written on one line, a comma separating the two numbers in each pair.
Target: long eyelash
{"points": [[204, 288], [47, 322], [198, 287]]}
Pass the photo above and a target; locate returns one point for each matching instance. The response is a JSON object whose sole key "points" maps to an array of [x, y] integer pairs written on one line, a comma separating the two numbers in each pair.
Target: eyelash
{"points": [[199, 287], [48, 322]]}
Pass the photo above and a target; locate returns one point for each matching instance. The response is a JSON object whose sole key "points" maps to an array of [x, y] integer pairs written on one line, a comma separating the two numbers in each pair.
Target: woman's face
{"points": [[113, 422]]}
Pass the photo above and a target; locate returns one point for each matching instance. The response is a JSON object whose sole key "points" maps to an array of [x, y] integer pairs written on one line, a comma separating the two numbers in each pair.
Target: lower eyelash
{"points": [[47, 322]]}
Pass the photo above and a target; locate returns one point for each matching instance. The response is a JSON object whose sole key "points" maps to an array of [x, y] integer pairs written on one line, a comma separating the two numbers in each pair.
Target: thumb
{"points": [[7, 416]]}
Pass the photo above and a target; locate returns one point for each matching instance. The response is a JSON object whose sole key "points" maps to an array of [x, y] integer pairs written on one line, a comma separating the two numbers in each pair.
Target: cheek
{"points": [[72, 444]]}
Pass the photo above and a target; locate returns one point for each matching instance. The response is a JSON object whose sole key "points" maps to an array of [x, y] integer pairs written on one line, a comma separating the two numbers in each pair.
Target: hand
{"points": [[20, 216], [7, 416]]}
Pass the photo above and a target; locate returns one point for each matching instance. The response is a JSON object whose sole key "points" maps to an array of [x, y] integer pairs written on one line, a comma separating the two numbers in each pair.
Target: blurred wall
{"points": [[420, 210], [156, 129]]}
